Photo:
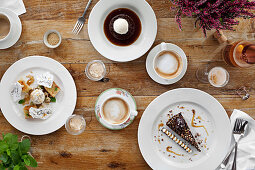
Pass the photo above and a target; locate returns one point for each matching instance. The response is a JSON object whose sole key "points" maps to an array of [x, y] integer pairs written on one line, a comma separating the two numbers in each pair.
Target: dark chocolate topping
{"points": [[178, 124]]}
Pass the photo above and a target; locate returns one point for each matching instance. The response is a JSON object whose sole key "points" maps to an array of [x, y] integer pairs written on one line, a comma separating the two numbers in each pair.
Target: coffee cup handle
{"points": [[163, 46], [134, 113]]}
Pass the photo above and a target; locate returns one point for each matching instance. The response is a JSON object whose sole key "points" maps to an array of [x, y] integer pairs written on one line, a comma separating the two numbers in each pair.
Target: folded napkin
{"points": [[246, 146], [16, 6]]}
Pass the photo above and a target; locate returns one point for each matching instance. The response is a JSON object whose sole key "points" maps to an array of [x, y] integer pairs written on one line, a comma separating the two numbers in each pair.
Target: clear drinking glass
{"points": [[216, 76], [75, 124], [101, 70]]}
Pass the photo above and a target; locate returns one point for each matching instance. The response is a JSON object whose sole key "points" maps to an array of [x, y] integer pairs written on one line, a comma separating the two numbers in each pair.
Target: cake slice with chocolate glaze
{"points": [[178, 124]]}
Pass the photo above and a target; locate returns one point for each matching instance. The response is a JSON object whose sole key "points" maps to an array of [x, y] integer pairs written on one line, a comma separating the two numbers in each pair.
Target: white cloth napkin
{"points": [[16, 6], [246, 146]]}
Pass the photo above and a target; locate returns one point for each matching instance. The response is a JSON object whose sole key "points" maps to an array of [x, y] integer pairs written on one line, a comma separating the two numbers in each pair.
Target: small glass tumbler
{"points": [[75, 124], [96, 70], [216, 76]]}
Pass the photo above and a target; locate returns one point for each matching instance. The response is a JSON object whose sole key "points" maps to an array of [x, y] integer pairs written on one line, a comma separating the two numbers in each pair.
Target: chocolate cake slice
{"points": [[178, 124]]}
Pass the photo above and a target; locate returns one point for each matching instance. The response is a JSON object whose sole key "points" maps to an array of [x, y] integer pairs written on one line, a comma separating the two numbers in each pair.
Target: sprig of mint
{"points": [[14, 155], [53, 99]]}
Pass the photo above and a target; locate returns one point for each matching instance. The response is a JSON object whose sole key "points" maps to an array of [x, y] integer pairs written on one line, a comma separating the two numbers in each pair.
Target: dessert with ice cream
{"points": [[35, 93], [37, 96], [122, 27]]}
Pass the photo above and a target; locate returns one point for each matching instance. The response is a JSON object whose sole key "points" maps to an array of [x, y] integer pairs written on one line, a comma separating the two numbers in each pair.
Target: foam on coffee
{"points": [[168, 64], [4, 26], [115, 110], [96, 70], [218, 76]]}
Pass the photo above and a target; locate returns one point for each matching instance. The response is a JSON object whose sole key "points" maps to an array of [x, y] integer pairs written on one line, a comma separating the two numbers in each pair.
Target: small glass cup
{"points": [[75, 124], [99, 78], [207, 74]]}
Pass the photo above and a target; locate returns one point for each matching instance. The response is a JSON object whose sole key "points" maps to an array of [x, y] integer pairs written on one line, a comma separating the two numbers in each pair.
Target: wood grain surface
{"points": [[97, 147]]}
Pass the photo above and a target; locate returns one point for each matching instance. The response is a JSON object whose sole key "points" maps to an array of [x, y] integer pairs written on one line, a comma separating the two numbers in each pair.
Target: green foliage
{"points": [[53, 99], [22, 101], [14, 155]]}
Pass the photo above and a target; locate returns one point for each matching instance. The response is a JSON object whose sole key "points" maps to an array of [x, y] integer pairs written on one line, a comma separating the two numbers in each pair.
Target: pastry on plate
{"points": [[53, 91], [178, 124], [37, 98]]}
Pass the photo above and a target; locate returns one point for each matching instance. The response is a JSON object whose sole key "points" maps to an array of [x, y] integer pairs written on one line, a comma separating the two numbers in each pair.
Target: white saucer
{"points": [[112, 92], [153, 74], [118, 53], [15, 31]]}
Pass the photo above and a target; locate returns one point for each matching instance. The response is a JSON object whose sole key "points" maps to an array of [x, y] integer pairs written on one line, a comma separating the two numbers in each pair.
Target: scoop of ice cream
{"points": [[37, 96], [120, 26]]}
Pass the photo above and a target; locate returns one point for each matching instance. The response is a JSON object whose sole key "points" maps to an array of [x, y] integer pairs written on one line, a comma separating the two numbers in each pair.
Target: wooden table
{"points": [[98, 147]]}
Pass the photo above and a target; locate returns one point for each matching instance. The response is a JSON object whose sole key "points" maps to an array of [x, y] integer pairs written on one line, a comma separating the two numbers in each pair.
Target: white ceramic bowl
{"points": [[120, 53], [46, 41]]}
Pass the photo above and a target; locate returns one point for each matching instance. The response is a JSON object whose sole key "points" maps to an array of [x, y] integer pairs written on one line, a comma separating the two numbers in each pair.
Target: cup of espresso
{"points": [[116, 110], [167, 64], [5, 26]]}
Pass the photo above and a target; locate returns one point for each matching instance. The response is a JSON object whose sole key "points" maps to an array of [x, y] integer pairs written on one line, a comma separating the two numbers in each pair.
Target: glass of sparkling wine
{"points": [[75, 124], [216, 76]]}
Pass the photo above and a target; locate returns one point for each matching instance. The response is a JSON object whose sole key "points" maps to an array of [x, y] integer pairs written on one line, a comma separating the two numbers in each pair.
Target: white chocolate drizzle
{"points": [[174, 138]]}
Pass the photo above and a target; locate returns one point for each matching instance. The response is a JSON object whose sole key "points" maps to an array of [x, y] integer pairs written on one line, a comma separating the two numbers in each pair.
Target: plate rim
{"points": [[156, 100], [70, 107]]}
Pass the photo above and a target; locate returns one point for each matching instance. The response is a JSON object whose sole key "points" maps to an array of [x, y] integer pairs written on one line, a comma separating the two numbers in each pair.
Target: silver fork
{"points": [[238, 132], [81, 20]]}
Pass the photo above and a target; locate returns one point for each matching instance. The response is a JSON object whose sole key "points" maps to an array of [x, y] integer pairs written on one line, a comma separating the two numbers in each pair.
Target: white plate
{"points": [[62, 109], [118, 53], [214, 118], [153, 74], [15, 30]]}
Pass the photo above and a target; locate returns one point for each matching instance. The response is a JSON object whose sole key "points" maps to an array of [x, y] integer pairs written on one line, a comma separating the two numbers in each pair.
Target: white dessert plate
{"points": [[63, 108], [154, 75], [161, 152], [118, 53], [15, 29]]}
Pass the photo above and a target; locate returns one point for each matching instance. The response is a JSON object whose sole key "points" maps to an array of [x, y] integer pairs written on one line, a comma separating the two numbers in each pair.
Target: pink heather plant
{"points": [[214, 14]]}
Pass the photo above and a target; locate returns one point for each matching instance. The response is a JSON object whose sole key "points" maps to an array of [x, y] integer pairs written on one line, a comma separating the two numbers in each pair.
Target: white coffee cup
{"points": [[5, 17], [111, 110], [167, 63]]}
